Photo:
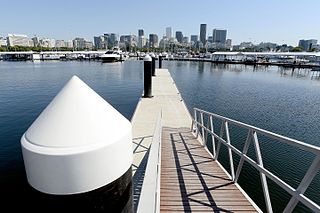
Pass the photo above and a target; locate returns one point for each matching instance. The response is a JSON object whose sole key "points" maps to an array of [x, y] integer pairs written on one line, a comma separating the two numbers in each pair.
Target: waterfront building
{"points": [[17, 40], [142, 42], [194, 38], [179, 36], [112, 40], [185, 40], [219, 36], [140, 32], [69, 44], [169, 32], [267, 46], [244, 45], [203, 33], [99, 42], [47, 42], [168, 42], [88, 45], [229, 44], [307, 45], [128, 40], [3, 42], [60, 43], [79, 43], [36, 41], [153, 40]]}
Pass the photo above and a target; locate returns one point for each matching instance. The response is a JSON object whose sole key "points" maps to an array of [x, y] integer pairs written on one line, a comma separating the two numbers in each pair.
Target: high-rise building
{"points": [[179, 36], [228, 43], [140, 32], [60, 43], [185, 40], [99, 42], [219, 36], [194, 38], [79, 43], [88, 45], [153, 40], [113, 40], [168, 32], [110, 39], [128, 40], [210, 39], [17, 40], [69, 44], [47, 42], [36, 41], [203, 33], [307, 45], [3, 42], [142, 41]]}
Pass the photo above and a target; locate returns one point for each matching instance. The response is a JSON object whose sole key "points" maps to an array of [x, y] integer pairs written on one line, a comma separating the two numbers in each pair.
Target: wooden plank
{"points": [[191, 181]]}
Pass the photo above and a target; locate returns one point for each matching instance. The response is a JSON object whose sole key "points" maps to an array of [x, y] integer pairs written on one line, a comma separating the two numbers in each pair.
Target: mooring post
{"points": [[147, 77], [153, 64], [79, 149], [160, 61]]}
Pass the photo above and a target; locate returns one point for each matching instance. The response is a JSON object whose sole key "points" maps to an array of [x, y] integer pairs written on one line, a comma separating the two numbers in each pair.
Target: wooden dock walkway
{"points": [[190, 179]]}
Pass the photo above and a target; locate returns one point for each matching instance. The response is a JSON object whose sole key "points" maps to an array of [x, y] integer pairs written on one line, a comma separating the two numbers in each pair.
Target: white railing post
{"points": [[219, 142], [307, 179], [193, 125], [202, 128], [196, 122], [212, 137], [245, 150], [229, 149], [262, 176]]}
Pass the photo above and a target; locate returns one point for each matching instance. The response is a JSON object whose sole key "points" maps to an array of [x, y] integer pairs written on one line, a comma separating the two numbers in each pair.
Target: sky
{"points": [[280, 21]]}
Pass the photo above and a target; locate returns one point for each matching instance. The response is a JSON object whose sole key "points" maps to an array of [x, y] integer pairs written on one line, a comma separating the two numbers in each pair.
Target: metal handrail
{"points": [[297, 194], [150, 192]]}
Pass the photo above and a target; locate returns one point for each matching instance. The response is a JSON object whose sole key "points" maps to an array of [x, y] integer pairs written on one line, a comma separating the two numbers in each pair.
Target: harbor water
{"points": [[283, 101]]}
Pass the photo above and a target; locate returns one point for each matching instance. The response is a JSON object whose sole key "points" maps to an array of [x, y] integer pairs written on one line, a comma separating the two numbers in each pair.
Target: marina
{"points": [[302, 60]]}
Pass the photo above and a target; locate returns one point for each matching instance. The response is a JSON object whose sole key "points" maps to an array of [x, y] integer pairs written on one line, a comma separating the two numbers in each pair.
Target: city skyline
{"points": [[248, 20]]}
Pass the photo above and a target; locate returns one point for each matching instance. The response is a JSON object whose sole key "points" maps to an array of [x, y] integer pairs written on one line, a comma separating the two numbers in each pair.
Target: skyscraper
{"points": [[168, 32], [140, 32], [99, 42], [203, 33], [153, 40], [179, 36], [307, 45], [219, 36], [194, 38]]}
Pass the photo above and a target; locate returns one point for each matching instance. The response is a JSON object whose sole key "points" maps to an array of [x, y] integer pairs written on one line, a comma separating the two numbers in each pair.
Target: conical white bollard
{"points": [[79, 143]]}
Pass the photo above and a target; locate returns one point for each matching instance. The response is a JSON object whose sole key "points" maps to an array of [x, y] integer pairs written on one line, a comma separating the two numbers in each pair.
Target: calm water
{"points": [[26, 88], [274, 99]]}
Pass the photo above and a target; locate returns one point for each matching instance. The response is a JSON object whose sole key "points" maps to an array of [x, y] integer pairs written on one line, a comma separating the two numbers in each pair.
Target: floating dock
{"points": [[190, 179]]}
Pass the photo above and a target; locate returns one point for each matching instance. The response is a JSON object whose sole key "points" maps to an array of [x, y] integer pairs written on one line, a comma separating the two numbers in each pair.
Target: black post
{"points": [[153, 65], [160, 61], [147, 77]]}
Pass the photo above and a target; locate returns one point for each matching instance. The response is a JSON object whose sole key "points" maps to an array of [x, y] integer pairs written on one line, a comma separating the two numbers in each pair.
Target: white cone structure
{"points": [[77, 144]]}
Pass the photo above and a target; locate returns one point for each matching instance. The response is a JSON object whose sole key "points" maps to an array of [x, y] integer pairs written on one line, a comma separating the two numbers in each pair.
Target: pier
{"points": [[189, 178], [174, 171]]}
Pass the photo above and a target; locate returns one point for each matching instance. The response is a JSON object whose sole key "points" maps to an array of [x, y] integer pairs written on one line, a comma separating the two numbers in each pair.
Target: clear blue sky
{"points": [[281, 21]]}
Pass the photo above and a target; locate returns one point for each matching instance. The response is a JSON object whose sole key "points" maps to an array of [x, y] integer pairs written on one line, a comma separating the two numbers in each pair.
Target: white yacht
{"points": [[113, 55]]}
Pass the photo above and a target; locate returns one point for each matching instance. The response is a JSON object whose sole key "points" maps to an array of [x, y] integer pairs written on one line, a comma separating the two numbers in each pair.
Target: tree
{"points": [[297, 49]]}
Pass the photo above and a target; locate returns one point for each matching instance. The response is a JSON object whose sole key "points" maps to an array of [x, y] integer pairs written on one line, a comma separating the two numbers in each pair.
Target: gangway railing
{"points": [[150, 192], [297, 194]]}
